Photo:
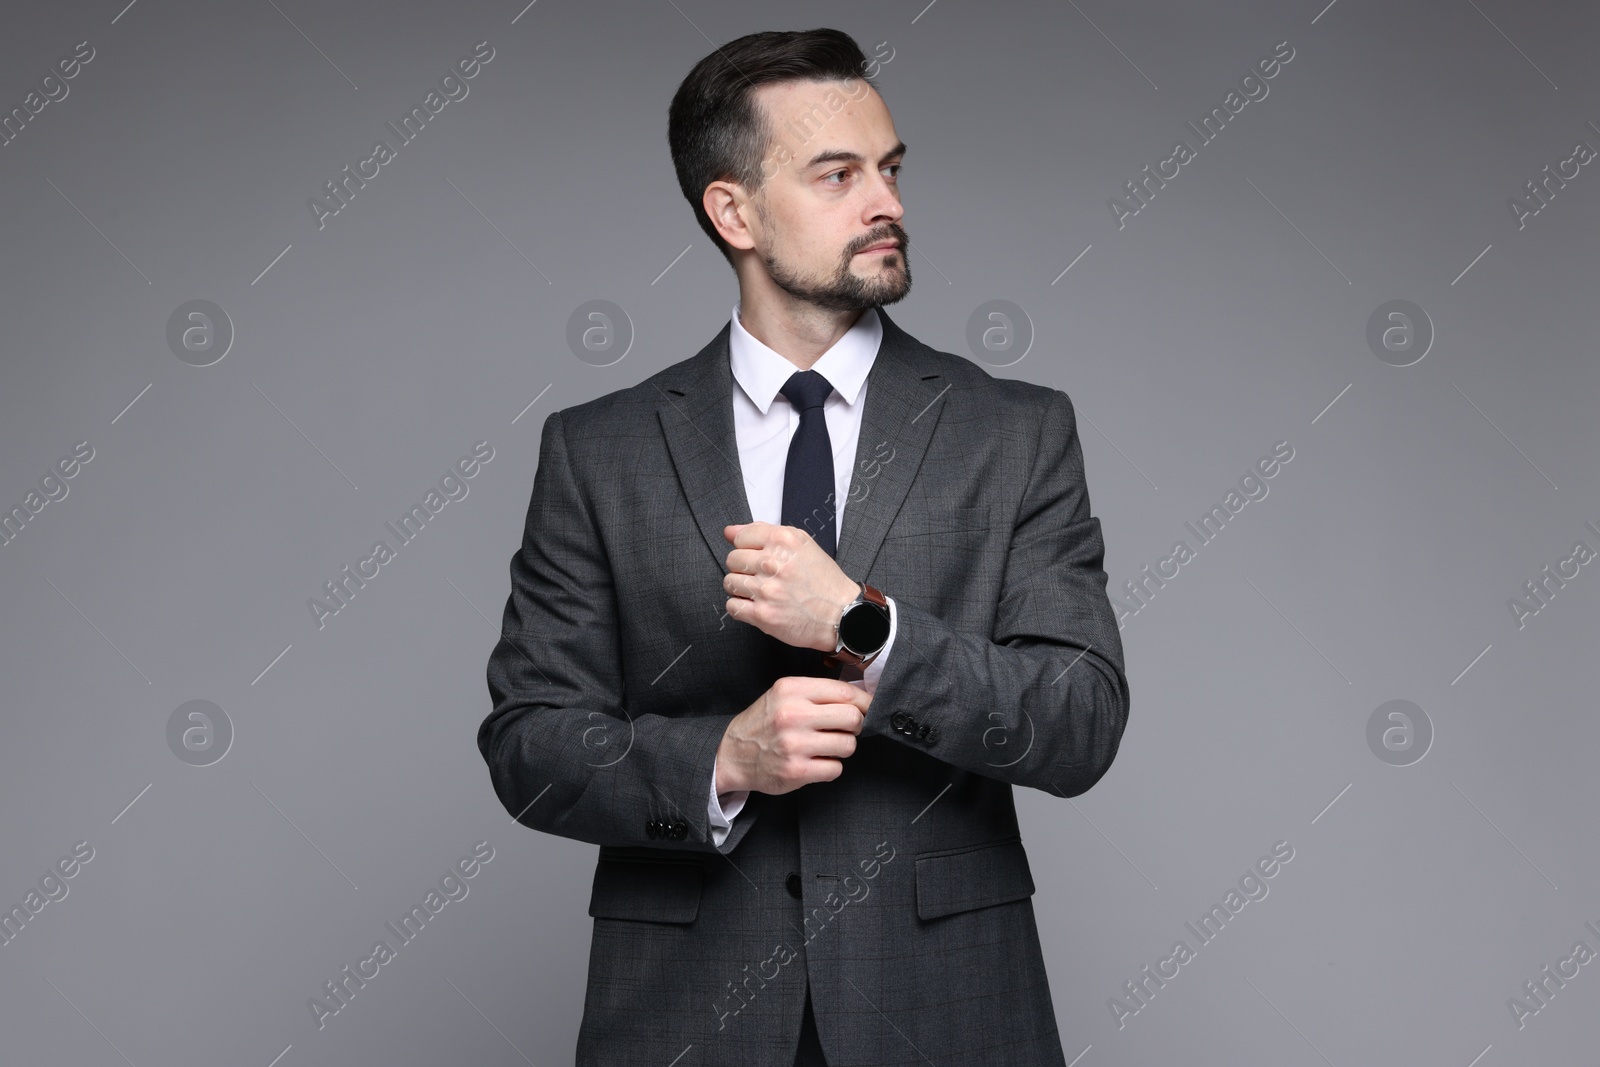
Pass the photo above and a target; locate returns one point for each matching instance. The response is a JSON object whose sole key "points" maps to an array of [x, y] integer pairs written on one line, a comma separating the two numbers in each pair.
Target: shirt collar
{"points": [[761, 372]]}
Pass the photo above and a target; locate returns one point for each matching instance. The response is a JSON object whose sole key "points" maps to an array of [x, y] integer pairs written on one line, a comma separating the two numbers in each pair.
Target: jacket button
{"points": [[792, 883]]}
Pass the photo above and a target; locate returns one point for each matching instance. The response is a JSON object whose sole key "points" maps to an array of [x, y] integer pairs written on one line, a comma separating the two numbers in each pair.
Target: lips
{"points": [[883, 246]]}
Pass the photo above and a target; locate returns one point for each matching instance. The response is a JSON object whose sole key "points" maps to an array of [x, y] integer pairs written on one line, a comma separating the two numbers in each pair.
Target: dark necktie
{"points": [[808, 476], [808, 491]]}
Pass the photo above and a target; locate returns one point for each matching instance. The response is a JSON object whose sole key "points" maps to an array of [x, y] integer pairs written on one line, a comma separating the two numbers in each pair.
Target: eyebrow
{"points": [[844, 156]]}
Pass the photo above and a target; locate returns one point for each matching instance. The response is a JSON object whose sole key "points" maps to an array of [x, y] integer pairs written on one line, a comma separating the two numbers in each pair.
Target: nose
{"points": [[883, 201]]}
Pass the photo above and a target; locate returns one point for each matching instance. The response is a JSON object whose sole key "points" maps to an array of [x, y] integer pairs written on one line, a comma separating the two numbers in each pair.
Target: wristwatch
{"points": [[862, 630]]}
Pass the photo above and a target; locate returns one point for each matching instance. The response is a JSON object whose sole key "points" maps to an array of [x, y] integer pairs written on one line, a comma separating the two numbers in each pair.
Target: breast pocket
{"points": [[940, 524], [936, 556]]}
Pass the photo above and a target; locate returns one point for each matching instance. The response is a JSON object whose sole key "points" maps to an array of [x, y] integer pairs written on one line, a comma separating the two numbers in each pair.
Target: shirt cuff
{"points": [[720, 817]]}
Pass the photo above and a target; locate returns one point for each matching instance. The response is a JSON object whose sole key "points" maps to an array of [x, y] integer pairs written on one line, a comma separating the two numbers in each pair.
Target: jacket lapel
{"points": [[904, 398], [696, 415]]}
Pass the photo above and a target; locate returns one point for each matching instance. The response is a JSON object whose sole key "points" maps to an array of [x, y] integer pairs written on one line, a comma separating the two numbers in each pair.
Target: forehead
{"points": [[818, 116]]}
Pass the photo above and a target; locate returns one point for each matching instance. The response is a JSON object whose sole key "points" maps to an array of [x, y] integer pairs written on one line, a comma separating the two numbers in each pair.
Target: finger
{"points": [[823, 744], [750, 534], [837, 718], [742, 561], [743, 586], [823, 769], [832, 745], [823, 690], [742, 609], [857, 699]]}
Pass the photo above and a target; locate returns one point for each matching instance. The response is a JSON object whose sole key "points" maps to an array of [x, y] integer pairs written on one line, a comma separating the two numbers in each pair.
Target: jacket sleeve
{"points": [[565, 754], [1043, 702]]}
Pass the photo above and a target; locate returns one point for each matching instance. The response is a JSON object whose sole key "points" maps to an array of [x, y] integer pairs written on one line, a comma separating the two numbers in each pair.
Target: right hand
{"points": [[797, 732]]}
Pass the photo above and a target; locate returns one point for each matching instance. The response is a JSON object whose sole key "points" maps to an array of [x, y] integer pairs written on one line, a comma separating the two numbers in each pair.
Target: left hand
{"points": [[781, 582]]}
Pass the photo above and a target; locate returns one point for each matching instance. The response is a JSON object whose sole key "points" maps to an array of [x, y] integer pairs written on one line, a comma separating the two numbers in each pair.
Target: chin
{"points": [[890, 278], [892, 269]]}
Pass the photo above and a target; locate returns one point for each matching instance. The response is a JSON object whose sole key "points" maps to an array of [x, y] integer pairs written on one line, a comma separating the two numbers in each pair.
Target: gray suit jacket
{"points": [[900, 890]]}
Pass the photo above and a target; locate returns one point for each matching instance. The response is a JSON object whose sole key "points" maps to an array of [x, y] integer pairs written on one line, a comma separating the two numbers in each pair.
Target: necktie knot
{"points": [[806, 389]]}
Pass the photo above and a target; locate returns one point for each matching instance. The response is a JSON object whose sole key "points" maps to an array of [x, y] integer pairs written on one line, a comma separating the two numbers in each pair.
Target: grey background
{"points": [[1228, 315]]}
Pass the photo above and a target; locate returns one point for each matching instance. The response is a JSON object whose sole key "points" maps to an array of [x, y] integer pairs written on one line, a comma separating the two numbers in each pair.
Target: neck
{"points": [[799, 332]]}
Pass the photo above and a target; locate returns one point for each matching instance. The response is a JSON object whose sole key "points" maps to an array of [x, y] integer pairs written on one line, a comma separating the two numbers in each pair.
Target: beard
{"points": [[843, 290]]}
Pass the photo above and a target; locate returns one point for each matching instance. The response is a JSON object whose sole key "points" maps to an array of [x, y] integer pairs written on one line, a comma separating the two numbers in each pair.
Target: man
{"points": [[791, 617]]}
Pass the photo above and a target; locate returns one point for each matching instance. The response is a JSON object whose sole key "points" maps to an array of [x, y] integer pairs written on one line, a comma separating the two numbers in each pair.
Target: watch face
{"points": [[864, 629]]}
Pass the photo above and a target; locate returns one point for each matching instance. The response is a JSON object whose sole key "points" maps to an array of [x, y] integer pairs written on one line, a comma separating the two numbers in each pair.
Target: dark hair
{"points": [[716, 130]]}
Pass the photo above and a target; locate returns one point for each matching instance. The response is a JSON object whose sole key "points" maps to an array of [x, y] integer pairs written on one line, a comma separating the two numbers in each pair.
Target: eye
{"points": [[895, 167], [835, 174]]}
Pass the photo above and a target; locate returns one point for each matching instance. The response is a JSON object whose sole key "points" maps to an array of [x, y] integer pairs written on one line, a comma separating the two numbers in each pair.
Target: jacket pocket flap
{"points": [[974, 877], [662, 891], [936, 521]]}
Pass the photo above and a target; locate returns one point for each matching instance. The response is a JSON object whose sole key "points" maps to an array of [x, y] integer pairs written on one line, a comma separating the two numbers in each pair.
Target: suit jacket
{"points": [[900, 891]]}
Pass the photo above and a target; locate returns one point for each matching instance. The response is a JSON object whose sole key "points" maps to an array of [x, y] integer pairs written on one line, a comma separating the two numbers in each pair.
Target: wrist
{"points": [[847, 596], [724, 779]]}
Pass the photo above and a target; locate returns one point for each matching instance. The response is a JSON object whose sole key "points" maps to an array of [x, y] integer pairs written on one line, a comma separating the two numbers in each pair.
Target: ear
{"points": [[727, 205]]}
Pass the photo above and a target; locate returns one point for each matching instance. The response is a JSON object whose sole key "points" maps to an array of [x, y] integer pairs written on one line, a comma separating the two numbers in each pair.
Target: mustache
{"points": [[894, 231]]}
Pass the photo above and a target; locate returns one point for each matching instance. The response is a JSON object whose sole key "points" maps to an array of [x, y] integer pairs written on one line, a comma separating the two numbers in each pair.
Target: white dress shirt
{"points": [[764, 422]]}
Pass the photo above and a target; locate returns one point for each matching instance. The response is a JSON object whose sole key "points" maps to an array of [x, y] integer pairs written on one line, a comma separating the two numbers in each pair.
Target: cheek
{"points": [[809, 239], [809, 249]]}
